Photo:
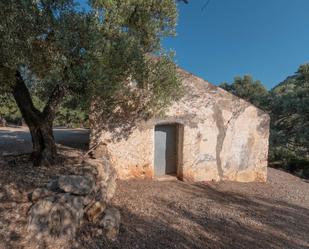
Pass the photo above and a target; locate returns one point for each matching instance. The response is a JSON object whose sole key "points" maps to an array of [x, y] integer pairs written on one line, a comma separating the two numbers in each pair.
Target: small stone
{"points": [[87, 200], [99, 232], [12, 192], [140, 230], [78, 185], [95, 210], [111, 223]]}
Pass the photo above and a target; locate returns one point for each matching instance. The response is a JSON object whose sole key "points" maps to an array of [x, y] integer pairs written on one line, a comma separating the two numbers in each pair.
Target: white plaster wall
{"points": [[224, 137]]}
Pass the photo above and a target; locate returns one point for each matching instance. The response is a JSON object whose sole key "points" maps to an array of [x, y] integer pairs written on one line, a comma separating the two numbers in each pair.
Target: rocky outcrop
{"points": [[69, 201]]}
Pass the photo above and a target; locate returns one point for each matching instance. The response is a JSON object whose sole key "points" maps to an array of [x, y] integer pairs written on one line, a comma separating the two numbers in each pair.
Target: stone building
{"points": [[209, 134]]}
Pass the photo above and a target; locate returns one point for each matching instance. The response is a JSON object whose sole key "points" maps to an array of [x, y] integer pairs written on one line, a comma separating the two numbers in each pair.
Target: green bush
{"points": [[288, 160], [9, 110], [70, 114]]}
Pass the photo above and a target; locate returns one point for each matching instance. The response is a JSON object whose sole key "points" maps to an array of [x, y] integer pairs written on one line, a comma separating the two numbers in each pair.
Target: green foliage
{"points": [[127, 37], [73, 118], [98, 52], [163, 84], [251, 90], [8, 109], [290, 113], [72, 113]]}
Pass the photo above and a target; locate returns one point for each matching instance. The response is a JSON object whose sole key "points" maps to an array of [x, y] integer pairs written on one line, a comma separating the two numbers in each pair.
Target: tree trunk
{"points": [[40, 123], [44, 147]]}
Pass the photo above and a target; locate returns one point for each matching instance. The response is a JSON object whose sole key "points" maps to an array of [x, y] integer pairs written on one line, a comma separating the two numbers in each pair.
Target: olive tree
{"points": [[56, 49]]}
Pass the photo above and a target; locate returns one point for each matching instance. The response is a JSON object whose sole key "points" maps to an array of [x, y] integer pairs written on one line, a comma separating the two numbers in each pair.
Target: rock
{"points": [[87, 200], [106, 178], [40, 193], [110, 187], [61, 206], [56, 216], [99, 151], [95, 210], [12, 193], [38, 216], [111, 223], [102, 168], [53, 185], [78, 185]]}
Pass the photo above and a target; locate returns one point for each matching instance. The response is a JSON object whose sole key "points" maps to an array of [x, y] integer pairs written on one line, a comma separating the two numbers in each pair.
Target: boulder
{"points": [[78, 185], [106, 177], [56, 216]]}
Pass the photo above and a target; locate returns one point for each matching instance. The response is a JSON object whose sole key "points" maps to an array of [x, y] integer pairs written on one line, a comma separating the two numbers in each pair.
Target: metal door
{"points": [[165, 150]]}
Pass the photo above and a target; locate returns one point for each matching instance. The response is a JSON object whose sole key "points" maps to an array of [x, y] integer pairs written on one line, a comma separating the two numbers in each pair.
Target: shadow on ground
{"points": [[172, 215], [180, 215], [18, 178]]}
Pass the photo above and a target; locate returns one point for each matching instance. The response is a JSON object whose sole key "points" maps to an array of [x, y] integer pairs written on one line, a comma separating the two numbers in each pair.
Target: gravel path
{"points": [[175, 214]]}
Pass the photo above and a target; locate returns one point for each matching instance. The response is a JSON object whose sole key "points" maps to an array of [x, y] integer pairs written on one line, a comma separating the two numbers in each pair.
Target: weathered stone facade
{"points": [[220, 137]]}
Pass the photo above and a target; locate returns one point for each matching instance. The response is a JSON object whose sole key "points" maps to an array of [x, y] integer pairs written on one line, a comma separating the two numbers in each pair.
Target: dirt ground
{"points": [[175, 214], [168, 214]]}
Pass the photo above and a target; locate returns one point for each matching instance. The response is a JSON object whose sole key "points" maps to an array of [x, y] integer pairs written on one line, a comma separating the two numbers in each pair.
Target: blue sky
{"points": [[267, 39]]}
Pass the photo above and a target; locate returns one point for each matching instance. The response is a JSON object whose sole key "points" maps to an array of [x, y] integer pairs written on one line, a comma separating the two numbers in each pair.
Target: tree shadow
{"points": [[199, 216], [18, 179]]}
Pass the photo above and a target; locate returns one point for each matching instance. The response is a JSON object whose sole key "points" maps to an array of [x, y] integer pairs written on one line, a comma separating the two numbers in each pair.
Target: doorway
{"points": [[166, 153]]}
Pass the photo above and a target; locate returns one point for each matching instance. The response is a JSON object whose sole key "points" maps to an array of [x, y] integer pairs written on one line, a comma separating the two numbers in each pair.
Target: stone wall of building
{"points": [[222, 137]]}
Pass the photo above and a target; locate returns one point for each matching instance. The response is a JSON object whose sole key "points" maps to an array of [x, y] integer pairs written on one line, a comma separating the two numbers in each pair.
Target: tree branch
{"points": [[23, 99], [53, 103]]}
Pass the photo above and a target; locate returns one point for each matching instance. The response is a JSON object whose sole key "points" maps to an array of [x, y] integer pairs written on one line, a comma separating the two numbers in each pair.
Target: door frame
{"points": [[179, 145]]}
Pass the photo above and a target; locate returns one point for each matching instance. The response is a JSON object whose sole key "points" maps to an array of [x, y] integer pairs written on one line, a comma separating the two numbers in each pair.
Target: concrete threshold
{"points": [[166, 178]]}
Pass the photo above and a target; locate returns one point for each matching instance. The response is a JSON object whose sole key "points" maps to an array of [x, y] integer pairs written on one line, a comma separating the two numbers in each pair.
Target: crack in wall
{"points": [[222, 128], [218, 117]]}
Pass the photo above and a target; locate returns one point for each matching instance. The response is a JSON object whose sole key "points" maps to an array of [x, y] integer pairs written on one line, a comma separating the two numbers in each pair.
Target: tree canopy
{"points": [[290, 113], [53, 49], [249, 89]]}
